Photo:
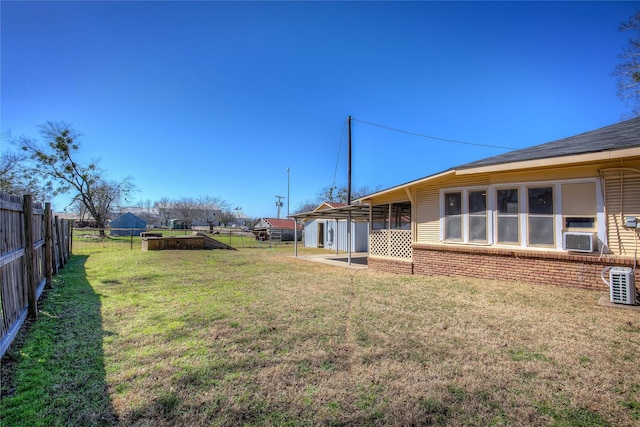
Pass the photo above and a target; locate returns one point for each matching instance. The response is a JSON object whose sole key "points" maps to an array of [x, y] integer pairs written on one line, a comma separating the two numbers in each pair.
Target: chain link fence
{"points": [[87, 240]]}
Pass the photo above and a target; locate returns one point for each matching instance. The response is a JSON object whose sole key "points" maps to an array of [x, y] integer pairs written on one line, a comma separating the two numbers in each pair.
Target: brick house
{"points": [[549, 214]]}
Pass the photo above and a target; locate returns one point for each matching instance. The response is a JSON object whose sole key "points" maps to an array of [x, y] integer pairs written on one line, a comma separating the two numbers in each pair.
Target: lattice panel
{"points": [[390, 243], [379, 242], [400, 244]]}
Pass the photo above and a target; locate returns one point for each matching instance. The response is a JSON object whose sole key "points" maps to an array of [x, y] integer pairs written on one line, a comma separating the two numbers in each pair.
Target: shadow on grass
{"points": [[54, 373]]}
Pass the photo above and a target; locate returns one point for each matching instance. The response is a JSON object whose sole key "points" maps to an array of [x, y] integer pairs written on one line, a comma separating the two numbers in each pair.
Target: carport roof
{"points": [[358, 212]]}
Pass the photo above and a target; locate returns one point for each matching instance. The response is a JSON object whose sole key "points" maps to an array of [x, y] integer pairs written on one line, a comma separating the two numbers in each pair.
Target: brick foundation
{"points": [[390, 265], [560, 269]]}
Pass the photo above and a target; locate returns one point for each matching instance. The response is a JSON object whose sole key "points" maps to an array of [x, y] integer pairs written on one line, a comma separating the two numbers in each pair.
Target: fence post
{"points": [[59, 232], [48, 245], [54, 242], [29, 257], [69, 226], [70, 238], [65, 244]]}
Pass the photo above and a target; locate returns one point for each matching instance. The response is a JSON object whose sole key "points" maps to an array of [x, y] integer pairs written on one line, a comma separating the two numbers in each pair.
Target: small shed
{"points": [[277, 229], [331, 231], [128, 225]]}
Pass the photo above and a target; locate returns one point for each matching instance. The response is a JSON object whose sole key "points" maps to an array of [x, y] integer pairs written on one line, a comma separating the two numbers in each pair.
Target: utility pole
{"points": [[349, 170], [349, 223], [288, 189], [279, 204]]}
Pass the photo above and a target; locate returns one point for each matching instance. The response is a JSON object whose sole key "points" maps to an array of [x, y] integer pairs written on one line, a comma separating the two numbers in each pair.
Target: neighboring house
{"points": [[176, 224], [127, 224], [277, 229], [196, 215], [550, 214], [78, 221], [240, 219], [150, 215], [332, 233]]}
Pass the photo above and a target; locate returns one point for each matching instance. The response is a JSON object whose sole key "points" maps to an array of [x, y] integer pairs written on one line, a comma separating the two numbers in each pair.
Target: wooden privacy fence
{"points": [[33, 246]]}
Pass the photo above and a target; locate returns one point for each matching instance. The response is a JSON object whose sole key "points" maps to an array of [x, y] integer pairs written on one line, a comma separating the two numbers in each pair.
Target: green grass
{"points": [[60, 375], [256, 337]]}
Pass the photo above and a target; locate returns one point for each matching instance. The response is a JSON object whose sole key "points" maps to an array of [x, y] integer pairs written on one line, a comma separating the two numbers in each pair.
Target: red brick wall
{"points": [[577, 271]]}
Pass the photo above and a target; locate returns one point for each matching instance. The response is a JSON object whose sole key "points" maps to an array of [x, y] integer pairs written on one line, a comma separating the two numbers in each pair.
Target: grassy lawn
{"points": [[255, 337]]}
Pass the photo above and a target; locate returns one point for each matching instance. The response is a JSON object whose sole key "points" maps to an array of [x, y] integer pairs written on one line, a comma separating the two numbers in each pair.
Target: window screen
{"points": [[478, 216], [540, 219], [507, 215], [453, 216]]}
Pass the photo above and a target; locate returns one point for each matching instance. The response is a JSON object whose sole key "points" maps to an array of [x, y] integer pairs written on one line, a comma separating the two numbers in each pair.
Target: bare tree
{"points": [[186, 211], [56, 165], [16, 179], [628, 72], [339, 194], [307, 206], [333, 194], [81, 210], [226, 216], [104, 198], [210, 209], [146, 210], [10, 179]]}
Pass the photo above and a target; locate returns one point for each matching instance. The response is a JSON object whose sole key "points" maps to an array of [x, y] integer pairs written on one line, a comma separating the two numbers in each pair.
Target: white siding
{"points": [[311, 234], [336, 237], [427, 215], [622, 199], [359, 236]]}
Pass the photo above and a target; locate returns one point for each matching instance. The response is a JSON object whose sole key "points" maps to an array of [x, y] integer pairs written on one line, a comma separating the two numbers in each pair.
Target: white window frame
{"points": [[462, 216], [523, 232], [465, 214], [521, 209], [554, 218]]}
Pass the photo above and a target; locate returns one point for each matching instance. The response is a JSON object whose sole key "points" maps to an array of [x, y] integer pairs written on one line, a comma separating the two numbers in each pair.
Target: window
{"points": [[394, 216], [507, 215], [577, 222], [380, 217], [519, 214], [400, 216], [579, 206], [540, 218], [453, 216], [478, 216]]}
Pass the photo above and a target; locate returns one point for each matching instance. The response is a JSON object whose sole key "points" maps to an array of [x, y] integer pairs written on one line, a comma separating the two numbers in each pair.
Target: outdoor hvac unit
{"points": [[621, 285], [579, 242]]}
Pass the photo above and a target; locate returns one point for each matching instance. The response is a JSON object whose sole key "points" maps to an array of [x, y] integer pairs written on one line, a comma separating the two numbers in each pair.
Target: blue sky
{"points": [[220, 98]]}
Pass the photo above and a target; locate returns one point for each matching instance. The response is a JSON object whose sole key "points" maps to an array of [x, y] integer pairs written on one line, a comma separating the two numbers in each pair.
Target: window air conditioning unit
{"points": [[579, 242], [622, 289]]}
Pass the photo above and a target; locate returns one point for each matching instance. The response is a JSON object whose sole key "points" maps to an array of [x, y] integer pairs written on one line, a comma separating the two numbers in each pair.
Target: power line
{"points": [[431, 137]]}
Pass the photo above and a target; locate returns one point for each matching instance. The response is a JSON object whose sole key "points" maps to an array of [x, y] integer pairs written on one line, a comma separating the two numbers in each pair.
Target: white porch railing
{"points": [[390, 243]]}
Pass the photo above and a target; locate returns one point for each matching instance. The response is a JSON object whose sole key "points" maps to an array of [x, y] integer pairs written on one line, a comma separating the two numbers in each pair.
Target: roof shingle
{"points": [[613, 137]]}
